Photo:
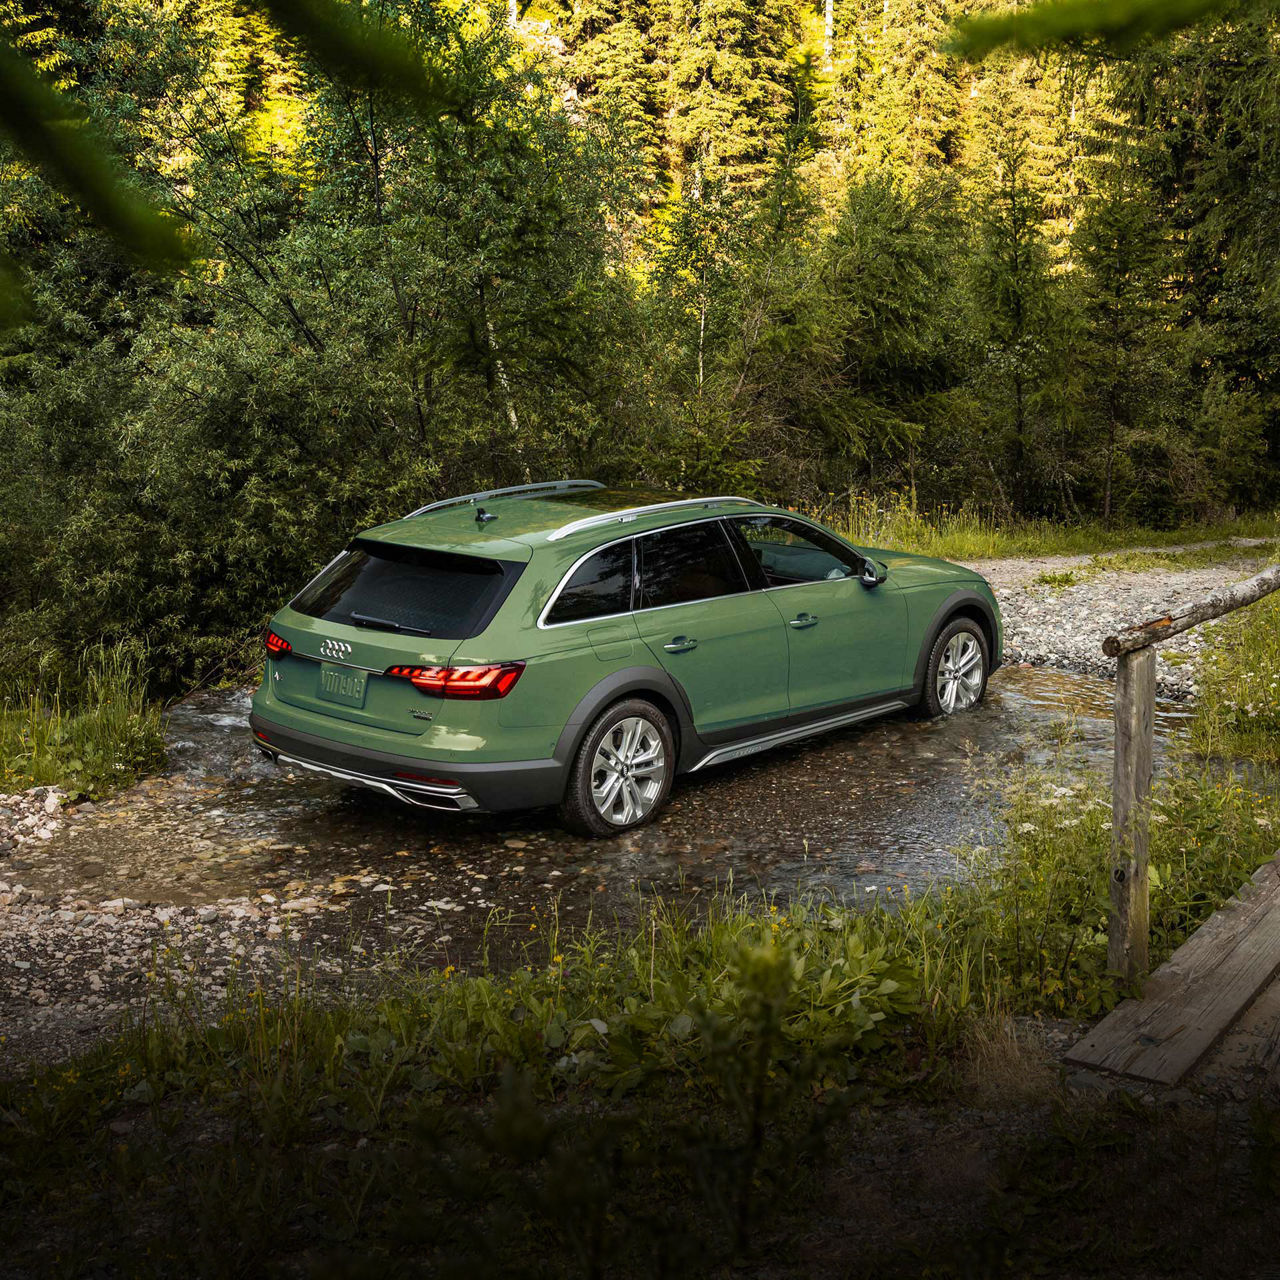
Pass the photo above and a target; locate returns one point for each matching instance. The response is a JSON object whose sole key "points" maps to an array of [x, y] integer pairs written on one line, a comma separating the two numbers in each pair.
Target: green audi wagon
{"points": [[572, 645]]}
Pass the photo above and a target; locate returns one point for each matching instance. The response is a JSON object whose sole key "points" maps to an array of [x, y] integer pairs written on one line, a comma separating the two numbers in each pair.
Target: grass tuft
{"points": [[103, 736]]}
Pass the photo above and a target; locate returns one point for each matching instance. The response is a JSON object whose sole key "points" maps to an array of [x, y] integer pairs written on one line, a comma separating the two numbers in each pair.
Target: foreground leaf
{"points": [[1117, 22], [357, 53], [52, 134]]}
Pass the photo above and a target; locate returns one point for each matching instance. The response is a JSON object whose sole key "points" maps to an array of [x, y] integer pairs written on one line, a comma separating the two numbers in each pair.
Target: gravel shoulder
{"points": [[75, 963]]}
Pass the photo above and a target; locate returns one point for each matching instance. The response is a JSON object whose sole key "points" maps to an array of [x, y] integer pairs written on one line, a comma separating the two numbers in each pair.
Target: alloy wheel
{"points": [[960, 672], [628, 771]]}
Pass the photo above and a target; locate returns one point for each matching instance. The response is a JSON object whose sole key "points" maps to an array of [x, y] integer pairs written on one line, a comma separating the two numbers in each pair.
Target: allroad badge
{"points": [[337, 649]]}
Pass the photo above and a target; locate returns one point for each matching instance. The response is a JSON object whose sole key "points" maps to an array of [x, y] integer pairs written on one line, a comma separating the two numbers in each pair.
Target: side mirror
{"points": [[873, 574]]}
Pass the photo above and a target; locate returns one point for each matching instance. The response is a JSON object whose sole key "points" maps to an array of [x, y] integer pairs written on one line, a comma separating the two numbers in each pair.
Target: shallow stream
{"points": [[876, 806]]}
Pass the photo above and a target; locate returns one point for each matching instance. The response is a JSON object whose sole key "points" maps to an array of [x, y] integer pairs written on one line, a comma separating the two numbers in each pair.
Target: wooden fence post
{"points": [[1131, 812]]}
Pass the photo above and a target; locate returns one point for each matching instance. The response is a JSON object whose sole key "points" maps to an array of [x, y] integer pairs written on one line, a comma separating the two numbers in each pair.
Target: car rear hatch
{"points": [[379, 607]]}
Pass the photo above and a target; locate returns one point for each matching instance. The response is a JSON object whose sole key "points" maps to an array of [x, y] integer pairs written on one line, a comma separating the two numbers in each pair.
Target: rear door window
{"points": [[693, 562], [599, 587], [409, 589]]}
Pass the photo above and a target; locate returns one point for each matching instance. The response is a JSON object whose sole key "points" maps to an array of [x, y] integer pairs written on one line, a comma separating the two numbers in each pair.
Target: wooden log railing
{"points": [[1134, 649]]}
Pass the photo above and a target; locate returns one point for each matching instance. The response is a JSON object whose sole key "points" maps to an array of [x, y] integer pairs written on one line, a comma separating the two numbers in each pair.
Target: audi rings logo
{"points": [[337, 649]]}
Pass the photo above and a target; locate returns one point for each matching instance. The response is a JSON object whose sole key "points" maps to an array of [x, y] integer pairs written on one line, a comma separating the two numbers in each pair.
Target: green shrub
{"points": [[1067, 578]]}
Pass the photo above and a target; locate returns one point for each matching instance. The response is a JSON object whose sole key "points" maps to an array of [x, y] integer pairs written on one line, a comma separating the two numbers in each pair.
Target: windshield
{"points": [[407, 589]]}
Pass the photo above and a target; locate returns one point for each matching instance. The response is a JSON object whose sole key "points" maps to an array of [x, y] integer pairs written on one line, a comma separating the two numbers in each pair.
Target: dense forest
{"points": [[749, 245]]}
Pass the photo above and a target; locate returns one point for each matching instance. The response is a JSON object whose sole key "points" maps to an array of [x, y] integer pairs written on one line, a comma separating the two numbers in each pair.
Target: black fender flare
{"points": [[613, 688], [957, 600]]}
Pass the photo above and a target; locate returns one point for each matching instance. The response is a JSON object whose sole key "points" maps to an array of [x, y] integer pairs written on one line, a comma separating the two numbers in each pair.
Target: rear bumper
{"points": [[492, 787]]}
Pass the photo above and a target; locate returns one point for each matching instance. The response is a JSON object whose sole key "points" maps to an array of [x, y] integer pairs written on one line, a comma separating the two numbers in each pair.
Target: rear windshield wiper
{"points": [[365, 620]]}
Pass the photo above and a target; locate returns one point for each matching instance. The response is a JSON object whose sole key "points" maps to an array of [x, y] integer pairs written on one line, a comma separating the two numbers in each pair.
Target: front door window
{"points": [[788, 553]]}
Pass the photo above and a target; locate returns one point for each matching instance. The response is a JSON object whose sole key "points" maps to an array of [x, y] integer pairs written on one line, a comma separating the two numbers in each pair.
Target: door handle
{"points": [[802, 620], [680, 644]]}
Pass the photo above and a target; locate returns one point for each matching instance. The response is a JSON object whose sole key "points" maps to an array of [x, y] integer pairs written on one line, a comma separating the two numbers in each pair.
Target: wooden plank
{"points": [[1192, 999], [1228, 599], [1127, 928]]}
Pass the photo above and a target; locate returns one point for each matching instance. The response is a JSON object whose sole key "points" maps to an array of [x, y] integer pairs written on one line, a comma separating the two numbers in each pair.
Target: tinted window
{"points": [[390, 588], [695, 562], [599, 587], [788, 552]]}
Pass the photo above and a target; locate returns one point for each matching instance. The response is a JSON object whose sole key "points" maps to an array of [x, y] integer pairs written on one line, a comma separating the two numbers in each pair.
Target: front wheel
{"points": [[956, 677], [622, 773]]}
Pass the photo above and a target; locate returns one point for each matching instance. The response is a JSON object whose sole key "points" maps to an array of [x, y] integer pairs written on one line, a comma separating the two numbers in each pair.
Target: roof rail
{"points": [[627, 514], [546, 486]]}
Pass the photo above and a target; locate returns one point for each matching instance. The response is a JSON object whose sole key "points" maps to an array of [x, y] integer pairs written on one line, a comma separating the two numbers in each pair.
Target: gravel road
{"points": [[226, 865], [1064, 627]]}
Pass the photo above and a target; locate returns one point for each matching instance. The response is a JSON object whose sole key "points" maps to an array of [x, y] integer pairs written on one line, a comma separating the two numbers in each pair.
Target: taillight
{"points": [[494, 681], [276, 645]]}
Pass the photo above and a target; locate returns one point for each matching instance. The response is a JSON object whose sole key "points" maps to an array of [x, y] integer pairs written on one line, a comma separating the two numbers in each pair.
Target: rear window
{"points": [[408, 589]]}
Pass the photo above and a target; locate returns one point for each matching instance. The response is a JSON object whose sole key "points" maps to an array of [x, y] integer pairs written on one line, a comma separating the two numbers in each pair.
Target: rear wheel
{"points": [[956, 677], [622, 773]]}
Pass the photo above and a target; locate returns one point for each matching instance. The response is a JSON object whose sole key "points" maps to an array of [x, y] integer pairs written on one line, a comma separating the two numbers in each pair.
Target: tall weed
{"points": [[969, 533]]}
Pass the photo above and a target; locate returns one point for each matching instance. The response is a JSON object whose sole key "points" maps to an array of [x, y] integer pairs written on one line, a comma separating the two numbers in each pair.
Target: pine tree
{"points": [[731, 87], [1045, 106], [895, 104], [616, 69], [1207, 105], [1015, 303]]}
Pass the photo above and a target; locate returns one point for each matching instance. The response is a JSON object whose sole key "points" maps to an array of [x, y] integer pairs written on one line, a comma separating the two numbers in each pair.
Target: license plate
{"points": [[341, 684]]}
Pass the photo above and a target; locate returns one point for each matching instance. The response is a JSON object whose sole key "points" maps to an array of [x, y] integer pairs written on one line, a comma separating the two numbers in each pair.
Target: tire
{"points": [[604, 800], [945, 695]]}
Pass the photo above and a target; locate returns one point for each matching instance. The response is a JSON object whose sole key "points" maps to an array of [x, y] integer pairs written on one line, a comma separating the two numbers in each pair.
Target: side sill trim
{"points": [[734, 750], [423, 795]]}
